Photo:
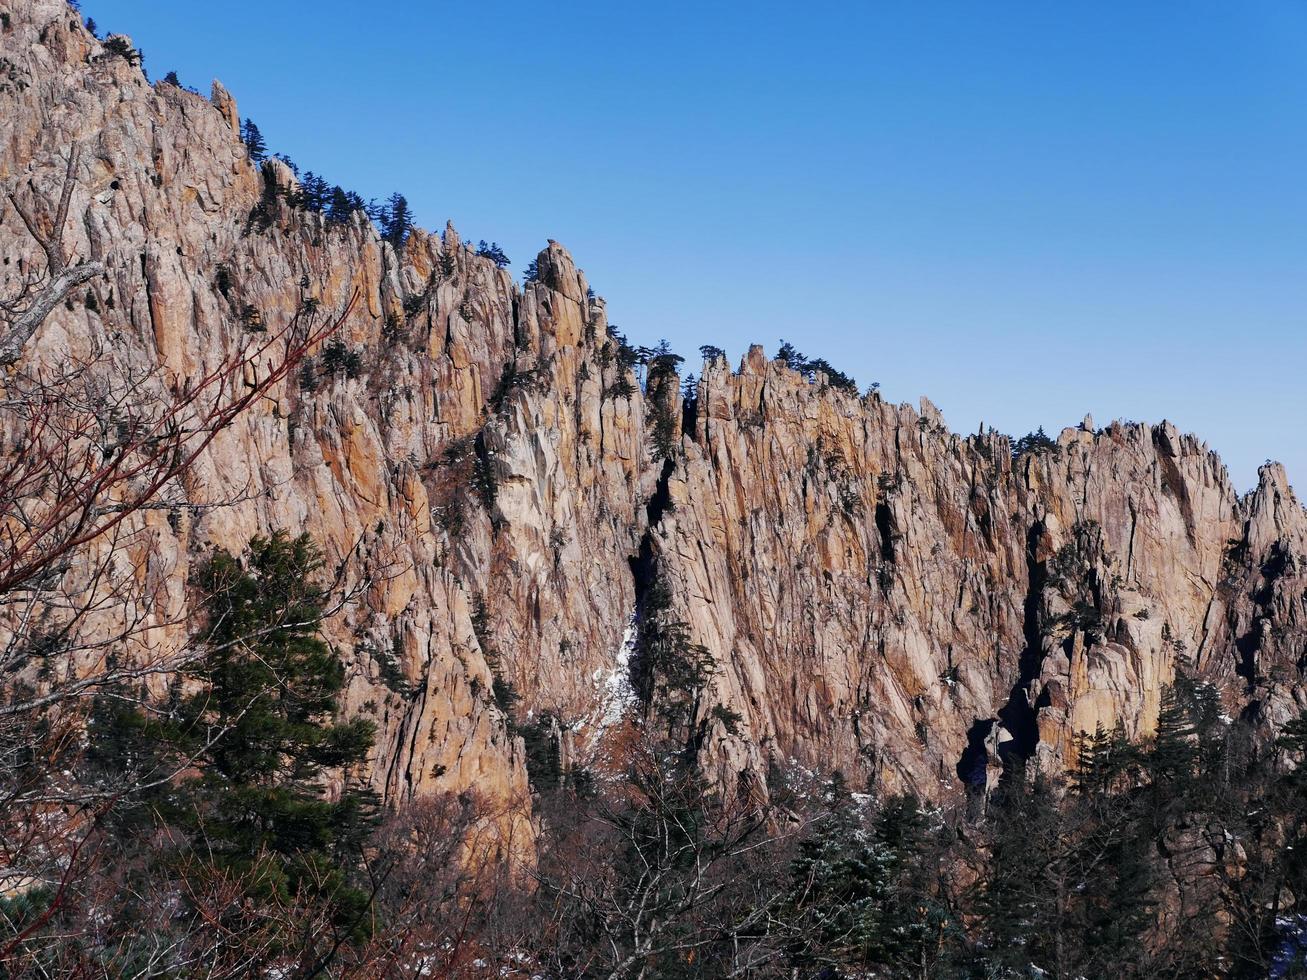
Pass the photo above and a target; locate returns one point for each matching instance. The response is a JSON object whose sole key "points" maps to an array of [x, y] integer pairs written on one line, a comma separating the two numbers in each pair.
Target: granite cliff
{"points": [[877, 593]]}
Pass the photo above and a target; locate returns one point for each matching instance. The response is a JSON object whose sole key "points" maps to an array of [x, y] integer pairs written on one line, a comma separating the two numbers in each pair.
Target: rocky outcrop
{"points": [[890, 598], [840, 570], [456, 447], [878, 594]]}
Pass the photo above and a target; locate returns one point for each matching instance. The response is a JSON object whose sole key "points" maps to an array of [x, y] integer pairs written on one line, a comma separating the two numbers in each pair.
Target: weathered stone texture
{"points": [[879, 593]]}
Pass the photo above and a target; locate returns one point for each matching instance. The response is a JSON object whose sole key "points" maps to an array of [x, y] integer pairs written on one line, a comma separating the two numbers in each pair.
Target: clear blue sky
{"points": [[1024, 211]]}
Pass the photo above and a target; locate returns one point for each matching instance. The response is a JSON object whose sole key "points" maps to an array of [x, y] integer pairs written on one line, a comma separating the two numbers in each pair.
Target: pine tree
{"points": [[668, 671], [690, 388], [315, 194], [918, 919], [253, 141], [662, 361], [1028, 885], [119, 47], [341, 207], [1034, 442], [252, 722], [1119, 900], [840, 902], [1102, 758], [396, 221], [1171, 758], [493, 252]]}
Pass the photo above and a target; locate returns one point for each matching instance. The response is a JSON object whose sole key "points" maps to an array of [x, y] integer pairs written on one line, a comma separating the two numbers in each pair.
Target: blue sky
{"points": [[1025, 211]]}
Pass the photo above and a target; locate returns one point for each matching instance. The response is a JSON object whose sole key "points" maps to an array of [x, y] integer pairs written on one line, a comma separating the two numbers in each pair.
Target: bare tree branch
{"points": [[62, 279]]}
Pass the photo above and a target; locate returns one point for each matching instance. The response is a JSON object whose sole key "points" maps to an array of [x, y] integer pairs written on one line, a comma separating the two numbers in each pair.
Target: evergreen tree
{"points": [[1119, 900], [661, 361], [1170, 761], [711, 353], [669, 672], [396, 221], [493, 252], [252, 723], [1102, 759], [315, 194], [1034, 442], [253, 141], [922, 926], [1111, 855], [119, 47], [807, 366], [1024, 899], [791, 356], [341, 207], [842, 885]]}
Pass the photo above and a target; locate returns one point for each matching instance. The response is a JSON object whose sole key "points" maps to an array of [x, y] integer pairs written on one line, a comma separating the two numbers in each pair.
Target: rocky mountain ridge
{"points": [[876, 593]]}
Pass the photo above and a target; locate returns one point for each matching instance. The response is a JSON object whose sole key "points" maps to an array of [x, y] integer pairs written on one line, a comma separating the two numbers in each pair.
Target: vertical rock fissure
{"points": [[1130, 556], [974, 762], [885, 528], [690, 417], [1249, 643], [642, 563], [1018, 715]]}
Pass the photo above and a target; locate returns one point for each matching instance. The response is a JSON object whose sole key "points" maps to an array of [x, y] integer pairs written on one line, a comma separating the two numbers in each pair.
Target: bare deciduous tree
{"points": [[41, 292], [656, 875]]}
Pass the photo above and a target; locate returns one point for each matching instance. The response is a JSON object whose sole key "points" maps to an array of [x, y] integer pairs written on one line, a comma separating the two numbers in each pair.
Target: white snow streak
{"points": [[614, 684]]}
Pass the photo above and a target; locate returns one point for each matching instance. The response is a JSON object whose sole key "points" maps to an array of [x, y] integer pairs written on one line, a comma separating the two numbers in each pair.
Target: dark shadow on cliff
{"points": [[1017, 716]]}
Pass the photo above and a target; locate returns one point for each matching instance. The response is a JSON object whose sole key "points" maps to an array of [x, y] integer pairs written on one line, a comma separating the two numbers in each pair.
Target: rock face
{"points": [[890, 598], [878, 594]]}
